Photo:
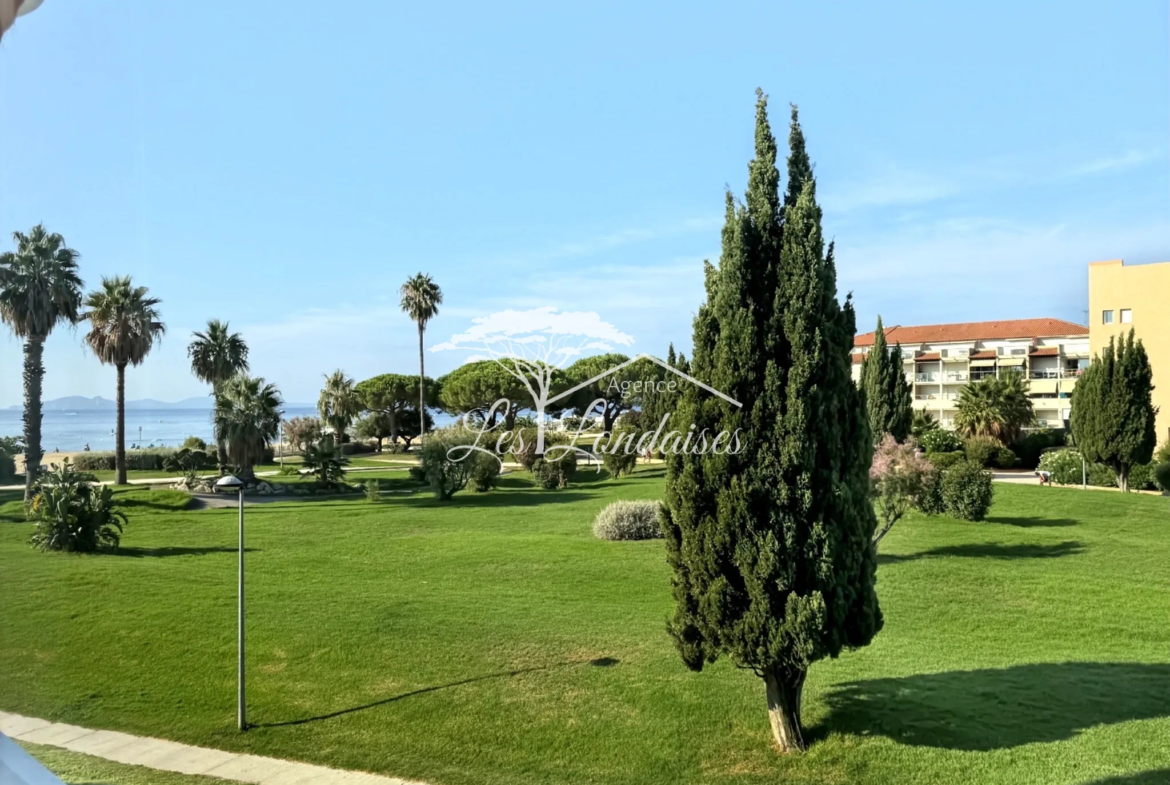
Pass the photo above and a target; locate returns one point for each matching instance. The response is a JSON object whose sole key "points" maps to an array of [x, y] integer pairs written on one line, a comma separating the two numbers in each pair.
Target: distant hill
{"points": [[78, 403]]}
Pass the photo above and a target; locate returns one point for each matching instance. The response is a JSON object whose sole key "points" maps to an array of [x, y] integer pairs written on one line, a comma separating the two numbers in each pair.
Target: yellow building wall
{"points": [[1144, 289]]}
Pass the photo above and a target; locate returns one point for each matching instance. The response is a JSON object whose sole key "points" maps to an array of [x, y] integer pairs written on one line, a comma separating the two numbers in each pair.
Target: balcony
{"points": [[955, 376], [1072, 373], [926, 377]]}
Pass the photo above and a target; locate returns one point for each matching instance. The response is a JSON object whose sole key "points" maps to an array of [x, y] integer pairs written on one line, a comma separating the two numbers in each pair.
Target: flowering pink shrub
{"points": [[897, 478]]}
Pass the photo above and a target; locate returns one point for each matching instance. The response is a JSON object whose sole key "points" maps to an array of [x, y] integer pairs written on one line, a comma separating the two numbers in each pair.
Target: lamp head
{"points": [[229, 482]]}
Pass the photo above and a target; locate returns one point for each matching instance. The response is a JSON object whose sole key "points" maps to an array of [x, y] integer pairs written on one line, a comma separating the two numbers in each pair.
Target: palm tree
{"points": [[421, 298], [997, 408], [39, 289], [124, 326], [339, 404], [247, 417], [216, 356]]}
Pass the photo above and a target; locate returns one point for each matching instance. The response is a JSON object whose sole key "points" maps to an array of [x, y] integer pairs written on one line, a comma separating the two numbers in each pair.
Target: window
{"points": [[943, 353], [1126, 315], [1107, 317], [1019, 351]]}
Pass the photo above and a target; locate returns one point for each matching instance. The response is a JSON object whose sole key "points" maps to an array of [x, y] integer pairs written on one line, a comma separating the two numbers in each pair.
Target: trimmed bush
{"points": [[484, 473], [981, 450], [621, 461], [1005, 458], [930, 501], [153, 459], [373, 490], [944, 460], [357, 448], [1162, 476], [555, 472], [194, 443], [625, 520], [967, 491], [1141, 477], [939, 440]]}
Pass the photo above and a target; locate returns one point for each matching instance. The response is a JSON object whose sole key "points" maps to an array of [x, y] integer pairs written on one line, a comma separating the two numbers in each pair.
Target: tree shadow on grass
{"points": [[164, 552], [989, 550], [600, 662], [1028, 523], [993, 709], [1152, 777]]}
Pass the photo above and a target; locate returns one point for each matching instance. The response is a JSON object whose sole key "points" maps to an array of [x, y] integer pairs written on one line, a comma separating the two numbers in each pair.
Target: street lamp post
{"points": [[230, 482]]}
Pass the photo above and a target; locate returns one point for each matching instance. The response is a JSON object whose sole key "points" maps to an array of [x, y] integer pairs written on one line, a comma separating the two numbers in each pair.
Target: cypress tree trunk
{"points": [[120, 435], [784, 692], [34, 374], [422, 384]]}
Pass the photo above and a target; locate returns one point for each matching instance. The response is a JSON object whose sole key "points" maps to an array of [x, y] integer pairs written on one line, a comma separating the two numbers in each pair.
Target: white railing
{"points": [[955, 376], [925, 377], [1065, 374]]}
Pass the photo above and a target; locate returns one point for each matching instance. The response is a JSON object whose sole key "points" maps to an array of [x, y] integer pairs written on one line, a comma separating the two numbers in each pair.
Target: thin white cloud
{"points": [[1127, 160]]}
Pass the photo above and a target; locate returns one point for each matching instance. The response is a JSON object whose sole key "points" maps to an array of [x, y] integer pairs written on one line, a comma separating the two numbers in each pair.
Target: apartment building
{"points": [[940, 359], [1135, 296]]}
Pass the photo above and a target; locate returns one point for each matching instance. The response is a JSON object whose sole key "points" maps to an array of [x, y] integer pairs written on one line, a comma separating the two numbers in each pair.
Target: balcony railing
{"points": [[955, 376], [1068, 373], [926, 377]]}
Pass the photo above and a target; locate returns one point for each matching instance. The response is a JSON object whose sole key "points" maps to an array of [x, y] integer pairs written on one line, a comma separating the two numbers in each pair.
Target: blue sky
{"points": [[287, 168]]}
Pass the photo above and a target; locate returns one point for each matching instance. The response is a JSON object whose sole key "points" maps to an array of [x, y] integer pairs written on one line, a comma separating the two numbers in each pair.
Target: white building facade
{"points": [[939, 360]]}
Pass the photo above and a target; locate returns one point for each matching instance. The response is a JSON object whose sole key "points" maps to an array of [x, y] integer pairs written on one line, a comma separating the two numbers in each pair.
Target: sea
{"points": [[64, 431]]}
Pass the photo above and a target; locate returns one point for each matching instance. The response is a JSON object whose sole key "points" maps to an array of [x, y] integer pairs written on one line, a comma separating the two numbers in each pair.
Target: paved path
{"points": [[182, 758]]}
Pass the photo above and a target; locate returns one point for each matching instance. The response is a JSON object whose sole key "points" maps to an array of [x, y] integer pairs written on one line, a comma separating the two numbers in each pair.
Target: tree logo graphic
{"points": [[533, 345]]}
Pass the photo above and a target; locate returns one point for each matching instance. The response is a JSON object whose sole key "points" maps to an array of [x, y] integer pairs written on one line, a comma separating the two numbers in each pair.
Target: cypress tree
{"points": [[1112, 412], [887, 393], [902, 418], [770, 545]]}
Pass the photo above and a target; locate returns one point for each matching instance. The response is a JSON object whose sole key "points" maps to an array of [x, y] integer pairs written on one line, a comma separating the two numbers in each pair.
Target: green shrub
{"points": [[1005, 458], [981, 450], [152, 459], [555, 471], [615, 457], [944, 460], [188, 461], [373, 490], [194, 443], [357, 448], [626, 520], [7, 468], [1063, 466], [939, 440], [967, 491], [73, 514], [1141, 477], [930, 501], [448, 461], [1031, 445], [1162, 476], [484, 473], [417, 474], [523, 444]]}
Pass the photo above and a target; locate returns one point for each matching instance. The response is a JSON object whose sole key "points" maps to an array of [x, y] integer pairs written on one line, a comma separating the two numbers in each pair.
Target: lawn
{"points": [[493, 640], [77, 769]]}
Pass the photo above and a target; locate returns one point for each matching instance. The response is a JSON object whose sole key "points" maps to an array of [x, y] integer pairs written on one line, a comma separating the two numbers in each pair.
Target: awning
{"points": [[1043, 386], [982, 363], [1010, 361]]}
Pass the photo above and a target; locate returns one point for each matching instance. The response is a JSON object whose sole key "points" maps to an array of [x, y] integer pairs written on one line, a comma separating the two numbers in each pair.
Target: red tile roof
{"points": [[986, 354], [928, 356], [976, 331], [858, 359], [1046, 351]]}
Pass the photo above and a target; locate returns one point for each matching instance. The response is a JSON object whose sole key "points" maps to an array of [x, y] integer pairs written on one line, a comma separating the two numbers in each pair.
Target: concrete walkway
{"points": [[182, 758]]}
